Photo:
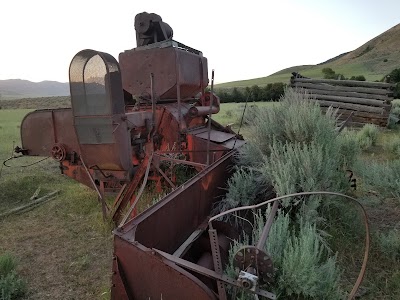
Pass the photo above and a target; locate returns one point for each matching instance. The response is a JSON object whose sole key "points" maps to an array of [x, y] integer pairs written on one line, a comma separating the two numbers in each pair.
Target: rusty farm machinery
{"points": [[127, 119]]}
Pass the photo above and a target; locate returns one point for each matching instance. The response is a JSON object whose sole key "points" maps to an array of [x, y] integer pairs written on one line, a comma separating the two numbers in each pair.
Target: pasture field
{"points": [[64, 248]]}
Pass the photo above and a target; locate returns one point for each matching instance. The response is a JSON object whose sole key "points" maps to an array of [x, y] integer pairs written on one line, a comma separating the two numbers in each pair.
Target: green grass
{"points": [[12, 286], [231, 113], [63, 247], [348, 70]]}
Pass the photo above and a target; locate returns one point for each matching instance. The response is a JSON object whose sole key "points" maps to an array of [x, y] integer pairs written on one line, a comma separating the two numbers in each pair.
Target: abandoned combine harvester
{"points": [[127, 118]]}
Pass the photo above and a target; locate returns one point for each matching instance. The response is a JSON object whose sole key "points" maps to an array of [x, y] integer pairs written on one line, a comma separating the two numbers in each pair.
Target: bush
{"points": [[306, 271], [296, 148], [249, 114], [358, 78], [368, 136], [382, 177], [243, 189], [302, 269], [393, 146], [11, 285], [390, 243], [293, 147]]}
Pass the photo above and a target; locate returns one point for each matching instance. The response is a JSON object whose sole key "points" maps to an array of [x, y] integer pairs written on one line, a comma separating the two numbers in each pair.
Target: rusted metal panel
{"points": [[147, 276], [41, 129], [171, 67], [216, 136], [188, 206]]}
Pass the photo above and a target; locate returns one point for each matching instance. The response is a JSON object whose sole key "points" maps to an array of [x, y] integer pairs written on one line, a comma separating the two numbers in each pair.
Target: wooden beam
{"points": [[347, 112], [361, 101], [351, 106], [347, 82], [328, 87], [383, 98]]}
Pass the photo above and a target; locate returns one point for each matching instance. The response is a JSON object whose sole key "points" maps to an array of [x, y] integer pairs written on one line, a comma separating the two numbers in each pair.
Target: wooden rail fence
{"points": [[366, 102]]}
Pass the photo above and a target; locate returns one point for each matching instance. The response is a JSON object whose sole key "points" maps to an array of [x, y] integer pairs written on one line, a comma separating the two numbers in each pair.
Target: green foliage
{"points": [[243, 188], [358, 78], [255, 93], [392, 146], [394, 77], [302, 268], [249, 114], [296, 148], [348, 147], [7, 264], [382, 177], [389, 243], [329, 73], [11, 285], [305, 269], [368, 136]]}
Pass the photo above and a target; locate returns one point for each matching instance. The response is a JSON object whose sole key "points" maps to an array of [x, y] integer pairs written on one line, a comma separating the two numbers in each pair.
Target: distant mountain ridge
{"points": [[19, 88]]}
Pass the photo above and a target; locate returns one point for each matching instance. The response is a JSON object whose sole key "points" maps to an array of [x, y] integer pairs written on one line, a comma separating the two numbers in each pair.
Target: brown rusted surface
{"points": [[149, 277], [171, 66], [42, 129], [165, 226]]}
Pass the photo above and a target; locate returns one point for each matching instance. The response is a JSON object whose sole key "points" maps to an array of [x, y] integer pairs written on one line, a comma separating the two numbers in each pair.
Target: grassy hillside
{"points": [[374, 59]]}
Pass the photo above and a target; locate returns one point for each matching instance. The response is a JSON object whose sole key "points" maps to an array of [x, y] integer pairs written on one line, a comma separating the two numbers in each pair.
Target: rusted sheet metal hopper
{"points": [[176, 225]]}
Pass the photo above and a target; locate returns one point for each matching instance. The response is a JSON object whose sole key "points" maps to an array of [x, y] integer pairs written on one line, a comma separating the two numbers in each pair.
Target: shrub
{"points": [[296, 148], [302, 269], [390, 243], [358, 78], [383, 177], [368, 136], [7, 264], [305, 270], [393, 146], [249, 114], [11, 285]]}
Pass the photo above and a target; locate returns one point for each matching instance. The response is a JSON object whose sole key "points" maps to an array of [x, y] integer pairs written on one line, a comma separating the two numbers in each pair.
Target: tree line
{"points": [[255, 93], [331, 74]]}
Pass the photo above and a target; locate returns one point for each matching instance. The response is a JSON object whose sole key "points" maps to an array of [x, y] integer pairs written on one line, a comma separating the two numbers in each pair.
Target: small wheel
{"points": [[250, 256], [58, 152]]}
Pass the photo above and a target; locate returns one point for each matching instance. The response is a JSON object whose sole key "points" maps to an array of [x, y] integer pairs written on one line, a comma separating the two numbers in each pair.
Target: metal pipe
{"points": [[153, 104], [267, 227], [209, 118], [139, 194]]}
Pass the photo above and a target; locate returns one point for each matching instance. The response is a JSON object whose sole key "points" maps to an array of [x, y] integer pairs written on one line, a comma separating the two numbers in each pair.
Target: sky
{"points": [[241, 39]]}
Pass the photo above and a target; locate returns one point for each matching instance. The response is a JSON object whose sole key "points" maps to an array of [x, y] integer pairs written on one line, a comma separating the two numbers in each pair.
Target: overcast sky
{"points": [[241, 39]]}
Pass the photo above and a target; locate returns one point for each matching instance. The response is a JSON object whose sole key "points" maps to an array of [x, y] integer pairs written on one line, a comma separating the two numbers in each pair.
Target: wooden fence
{"points": [[366, 102]]}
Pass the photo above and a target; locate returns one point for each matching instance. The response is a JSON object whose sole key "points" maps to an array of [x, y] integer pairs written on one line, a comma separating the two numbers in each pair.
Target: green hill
{"points": [[374, 59]]}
